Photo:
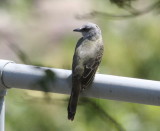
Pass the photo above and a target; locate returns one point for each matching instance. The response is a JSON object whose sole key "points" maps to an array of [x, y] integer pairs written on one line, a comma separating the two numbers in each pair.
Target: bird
{"points": [[86, 59]]}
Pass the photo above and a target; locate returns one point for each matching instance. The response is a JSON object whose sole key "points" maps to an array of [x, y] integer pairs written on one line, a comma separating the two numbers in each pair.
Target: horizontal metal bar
{"points": [[59, 81]]}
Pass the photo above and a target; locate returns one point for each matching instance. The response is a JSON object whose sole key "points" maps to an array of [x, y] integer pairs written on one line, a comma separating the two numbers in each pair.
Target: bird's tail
{"points": [[72, 105]]}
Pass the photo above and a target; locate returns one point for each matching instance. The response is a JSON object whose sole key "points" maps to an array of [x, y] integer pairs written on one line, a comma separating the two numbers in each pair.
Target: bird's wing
{"points": [[91, 68]]}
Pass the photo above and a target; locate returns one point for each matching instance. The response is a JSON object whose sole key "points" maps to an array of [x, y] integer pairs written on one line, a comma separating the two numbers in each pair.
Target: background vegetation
{"points": [[39, 32]]}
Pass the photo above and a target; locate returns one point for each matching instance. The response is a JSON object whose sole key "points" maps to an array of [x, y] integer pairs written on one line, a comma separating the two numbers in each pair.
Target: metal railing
{"points": [[22, 76]]}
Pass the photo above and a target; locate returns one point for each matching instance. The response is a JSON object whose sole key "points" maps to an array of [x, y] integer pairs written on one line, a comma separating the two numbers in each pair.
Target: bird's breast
{"points": [[86, 51]]}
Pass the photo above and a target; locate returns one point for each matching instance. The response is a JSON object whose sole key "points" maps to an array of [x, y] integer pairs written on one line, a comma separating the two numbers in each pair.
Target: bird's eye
{"points": [[86, 29]]}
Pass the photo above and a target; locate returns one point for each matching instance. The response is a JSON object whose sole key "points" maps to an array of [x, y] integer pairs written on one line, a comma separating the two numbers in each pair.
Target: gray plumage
{"points": [[86, 59]]}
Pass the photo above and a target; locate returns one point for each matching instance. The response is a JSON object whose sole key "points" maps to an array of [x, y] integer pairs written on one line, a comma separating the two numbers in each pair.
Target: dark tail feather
{"points": [[72, 105]]}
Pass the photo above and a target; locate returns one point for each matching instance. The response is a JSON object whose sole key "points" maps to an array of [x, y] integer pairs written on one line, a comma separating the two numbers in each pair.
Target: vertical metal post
{"points": [[2, 113], [2, 94]]}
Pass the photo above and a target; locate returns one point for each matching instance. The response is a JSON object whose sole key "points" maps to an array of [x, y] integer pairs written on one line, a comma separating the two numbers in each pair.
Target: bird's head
{"points": [[90, 31]]}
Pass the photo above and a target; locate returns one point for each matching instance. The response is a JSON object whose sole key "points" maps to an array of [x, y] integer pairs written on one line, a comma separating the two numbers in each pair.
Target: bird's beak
{"points": [[78, 30]]}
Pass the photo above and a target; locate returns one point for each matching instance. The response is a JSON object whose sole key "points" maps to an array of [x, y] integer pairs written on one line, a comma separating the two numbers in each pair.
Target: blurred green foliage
{"points": [[131, 49]]}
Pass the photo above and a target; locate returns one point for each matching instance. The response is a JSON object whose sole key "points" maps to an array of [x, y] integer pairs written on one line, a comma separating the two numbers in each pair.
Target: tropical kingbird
{"points": [[86, 59]]}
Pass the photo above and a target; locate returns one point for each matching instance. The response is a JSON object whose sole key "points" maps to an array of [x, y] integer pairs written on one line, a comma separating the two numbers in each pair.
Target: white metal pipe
{"points": [[59, 81], [2, 113], [3, 63]]}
